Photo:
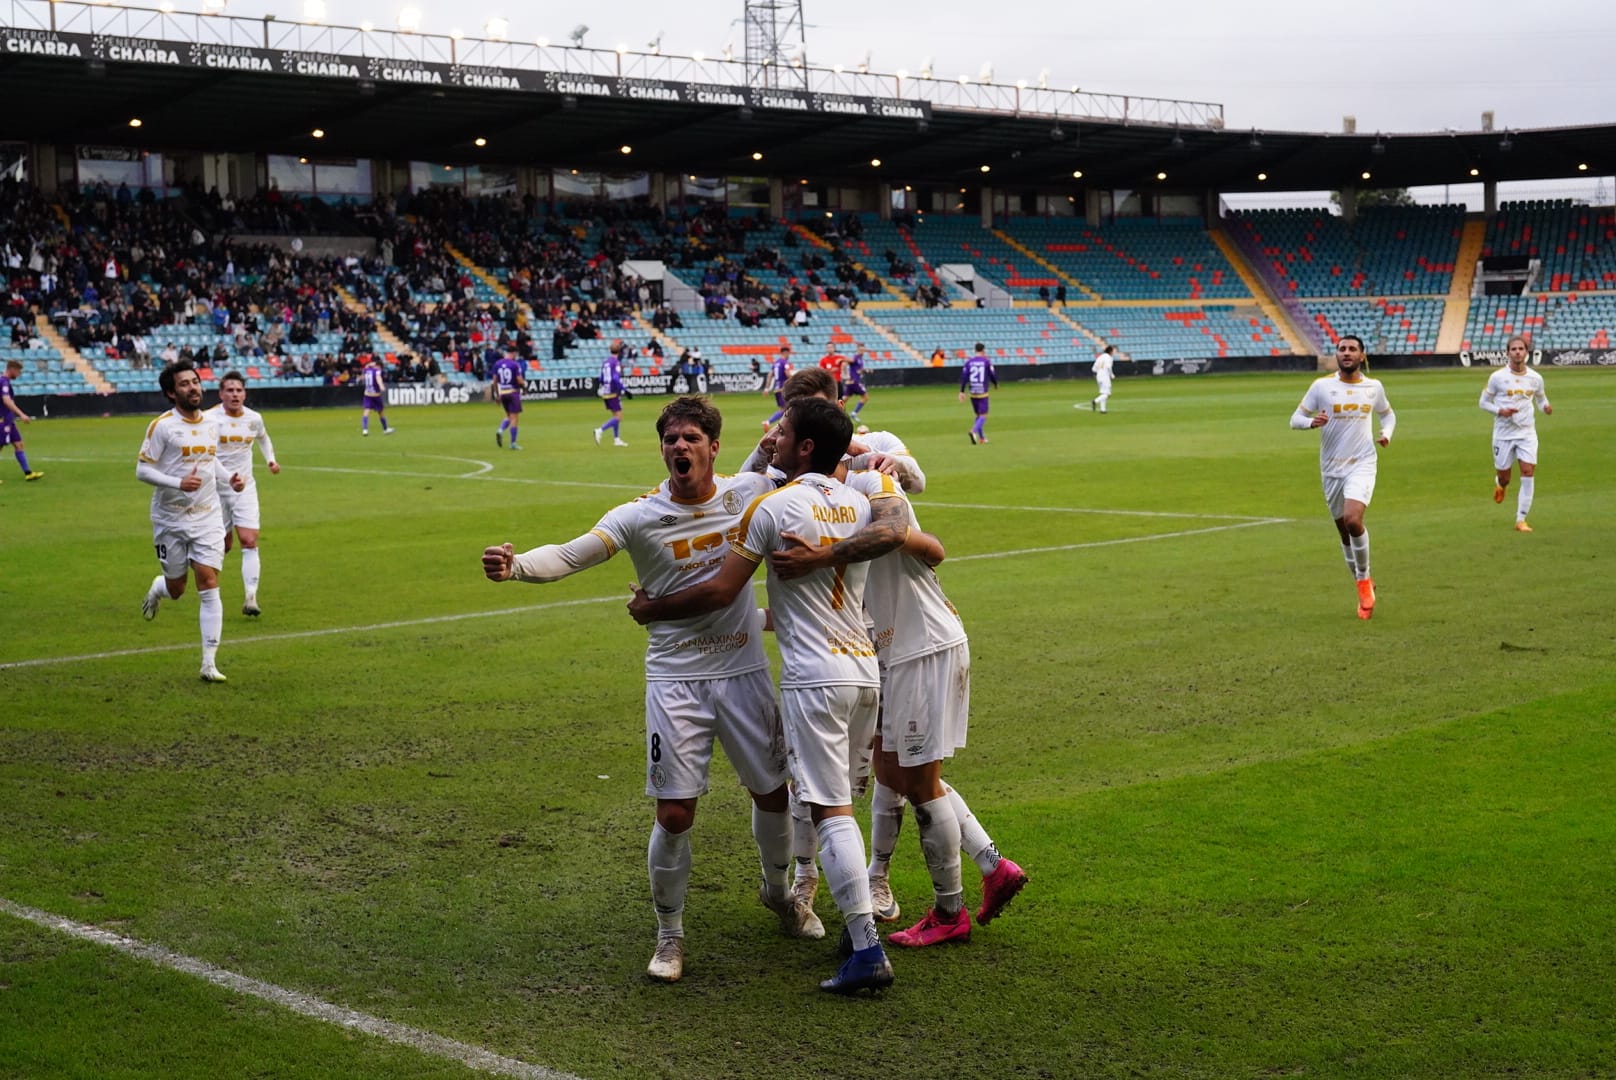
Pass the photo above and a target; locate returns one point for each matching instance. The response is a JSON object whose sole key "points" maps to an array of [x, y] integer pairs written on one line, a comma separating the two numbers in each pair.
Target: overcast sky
{"points": [[1395, 65]]}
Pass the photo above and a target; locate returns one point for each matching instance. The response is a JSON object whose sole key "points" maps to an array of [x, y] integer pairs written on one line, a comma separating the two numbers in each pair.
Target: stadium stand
{"points": [[1135, 259], [1389, 251]]}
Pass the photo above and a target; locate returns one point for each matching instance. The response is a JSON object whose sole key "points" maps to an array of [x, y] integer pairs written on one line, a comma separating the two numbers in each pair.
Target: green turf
{"points": [[1265, 838]]}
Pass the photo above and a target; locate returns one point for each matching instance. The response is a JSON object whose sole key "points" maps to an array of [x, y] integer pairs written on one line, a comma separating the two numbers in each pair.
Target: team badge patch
{"points": [[658, 780], [732, 502]]}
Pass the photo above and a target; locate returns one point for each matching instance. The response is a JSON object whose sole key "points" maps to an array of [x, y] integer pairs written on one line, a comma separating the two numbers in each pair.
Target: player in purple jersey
{"points": [[776, 382], [508, 386], [977, 378], [611, 391], [854, 384], [375, 388], [10, 413]]}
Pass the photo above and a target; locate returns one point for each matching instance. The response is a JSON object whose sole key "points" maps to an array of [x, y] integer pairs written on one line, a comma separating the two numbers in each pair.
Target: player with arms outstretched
{"points": [[707, 676], [240, 429], [1512, 394], [1343, 405]]}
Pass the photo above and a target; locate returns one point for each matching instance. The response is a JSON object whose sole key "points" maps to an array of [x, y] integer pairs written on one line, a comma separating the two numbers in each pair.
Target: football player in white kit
{"points": [[829, 682], [1343, 404], [1511, 395], [1104, 364], [180, 458], [240, 429], [925, 706], [706, 676]]}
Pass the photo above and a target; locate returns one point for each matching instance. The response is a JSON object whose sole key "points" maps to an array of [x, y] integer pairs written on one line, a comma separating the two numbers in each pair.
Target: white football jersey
{"points": [[1102, 366], [909, 614], [674, 544], [237, 436], [1348, 440], [819, 617], [1523, 393], [175, 446]]}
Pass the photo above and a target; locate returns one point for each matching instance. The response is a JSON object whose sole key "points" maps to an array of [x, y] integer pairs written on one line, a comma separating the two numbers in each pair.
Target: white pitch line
{"points": [[326, 632], [1114, 543], [1115, 513], [472, 476], [473, 1057]]}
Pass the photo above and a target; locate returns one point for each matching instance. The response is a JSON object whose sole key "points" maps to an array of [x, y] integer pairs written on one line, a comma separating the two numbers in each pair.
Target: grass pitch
{"points": [[1265, 838]]}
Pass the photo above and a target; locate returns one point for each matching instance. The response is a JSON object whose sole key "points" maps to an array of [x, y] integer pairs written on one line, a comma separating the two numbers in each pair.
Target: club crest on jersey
{"points": [[659, 780], [733, 503]]}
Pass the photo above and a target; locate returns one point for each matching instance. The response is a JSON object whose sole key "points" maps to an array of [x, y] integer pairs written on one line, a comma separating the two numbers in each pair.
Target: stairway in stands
{"points": [[1450, 337]]}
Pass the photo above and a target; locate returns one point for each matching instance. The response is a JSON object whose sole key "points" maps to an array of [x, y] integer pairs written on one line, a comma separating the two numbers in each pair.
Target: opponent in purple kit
{"points": [[976, 379], [9, 415], [375, 386], [508, 386], [778, 374], [611, 390], [854, 374]]}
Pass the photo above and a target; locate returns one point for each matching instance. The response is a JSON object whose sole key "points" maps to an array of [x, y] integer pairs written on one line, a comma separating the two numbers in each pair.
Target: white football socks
{"points": [[974, 840], [1360, 556], [1523, 501], [211, 619], [772, 831], [1352, 564], [940, 842], [804, 840], [249, 570], [886, 821], [841, 850], [668, 860]]}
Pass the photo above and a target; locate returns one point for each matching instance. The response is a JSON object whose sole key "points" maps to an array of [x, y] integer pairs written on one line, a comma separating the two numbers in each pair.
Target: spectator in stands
{"points": [[938, 357]]}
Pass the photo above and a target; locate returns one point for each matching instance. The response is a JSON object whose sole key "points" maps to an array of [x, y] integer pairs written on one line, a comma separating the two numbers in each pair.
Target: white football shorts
{"points": [[1358, 485], [683, 718], [240, 508], [1507, 452], [177, 549], [926, 706], [828, 733]]}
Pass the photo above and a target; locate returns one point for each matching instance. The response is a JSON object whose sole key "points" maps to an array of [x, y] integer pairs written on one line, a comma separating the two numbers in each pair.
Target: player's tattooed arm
{"points": [[888, 527]]}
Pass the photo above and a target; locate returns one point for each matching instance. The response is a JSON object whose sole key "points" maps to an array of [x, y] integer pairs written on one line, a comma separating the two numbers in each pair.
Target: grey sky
{"points": [[1396, 65]]}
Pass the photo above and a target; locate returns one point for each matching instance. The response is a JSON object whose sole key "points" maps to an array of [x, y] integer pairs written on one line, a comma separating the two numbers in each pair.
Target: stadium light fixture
{"points": [[1379, 147], [901, 74], [1582, 166], [1254, 143], [1475, 172], [698, 56], [166, 7], [729, 51], [925, 68], [1364, 175], [497, 28], [621, 48], [1178, 141], [863, 66], [213, 7], [314, 11], [1506, 144], [577, 35], [1043, 79], [625, 149], [655, 44], [1161, 176], [987, 168], [875, 163], [1262, 176], [1021, 84], [479, 141], [986, 74], [963, 79], [302, 161], [134, 121], [1077, 174], [409, 19], [367, 26], [757, 155], [455, 33], [318, 133]]}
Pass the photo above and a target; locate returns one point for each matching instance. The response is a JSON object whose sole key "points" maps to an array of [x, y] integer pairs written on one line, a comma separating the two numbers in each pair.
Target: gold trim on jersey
{"points": [[611, 548]]}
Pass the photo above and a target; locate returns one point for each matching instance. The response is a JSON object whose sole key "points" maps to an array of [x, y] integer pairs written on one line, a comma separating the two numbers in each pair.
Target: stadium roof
{"points": [[83, 88]]}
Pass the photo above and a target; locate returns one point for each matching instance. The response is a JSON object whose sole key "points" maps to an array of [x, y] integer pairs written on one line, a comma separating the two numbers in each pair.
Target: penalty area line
{"points": [[473, 1057], [1119, 541]]}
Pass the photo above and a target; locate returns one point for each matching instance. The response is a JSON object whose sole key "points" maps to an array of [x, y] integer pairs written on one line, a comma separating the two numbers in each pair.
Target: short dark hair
{"points": [[170, 373], [697, 410], [980, 346], [827, 425], [233, 376], [13, 365], [1110, 348], [809, 382], [1352, 337]]}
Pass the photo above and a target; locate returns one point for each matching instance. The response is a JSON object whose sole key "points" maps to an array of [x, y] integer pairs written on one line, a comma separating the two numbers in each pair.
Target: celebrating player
{"points": [[1511, 394], [829, 685], [239, 429], [1342, 404], [706, 676], [180, 458]]}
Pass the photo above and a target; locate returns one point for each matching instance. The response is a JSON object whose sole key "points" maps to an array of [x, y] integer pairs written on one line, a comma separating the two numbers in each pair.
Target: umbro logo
{"points": [[668, 519]]}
